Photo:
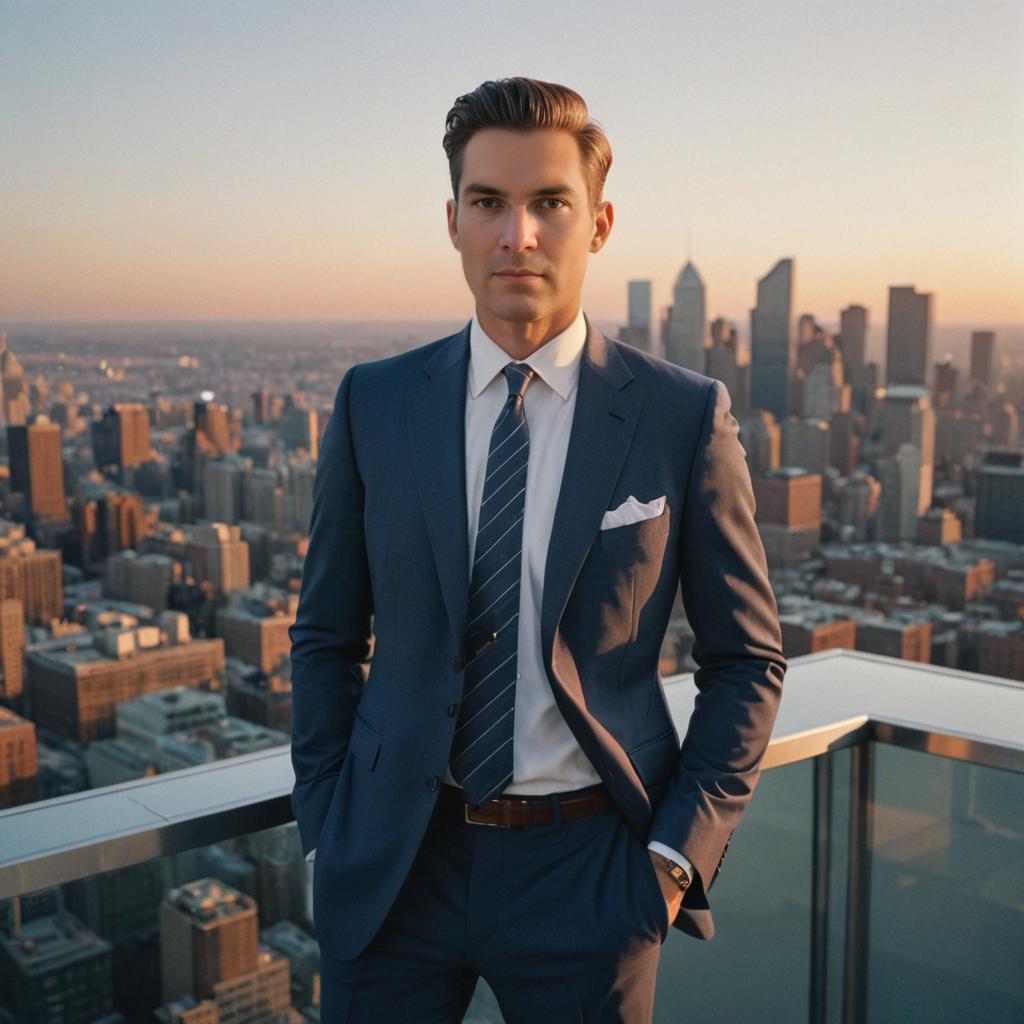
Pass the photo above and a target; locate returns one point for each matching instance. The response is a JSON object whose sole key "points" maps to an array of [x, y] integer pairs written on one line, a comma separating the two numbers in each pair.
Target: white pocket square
{"points": [[632, 511]]}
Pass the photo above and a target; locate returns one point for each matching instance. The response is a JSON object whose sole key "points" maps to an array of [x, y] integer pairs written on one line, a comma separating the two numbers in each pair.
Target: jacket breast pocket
{"points": [[633, 534], [364, 742]]}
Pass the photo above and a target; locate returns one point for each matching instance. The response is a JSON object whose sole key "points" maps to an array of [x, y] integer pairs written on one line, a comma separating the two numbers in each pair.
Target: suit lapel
{"points": [[603, 425], [436, 423]]}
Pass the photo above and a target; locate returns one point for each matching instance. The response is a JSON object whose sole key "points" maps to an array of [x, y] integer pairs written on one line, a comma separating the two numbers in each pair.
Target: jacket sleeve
{"points": [[738, 649], [332, 633]]}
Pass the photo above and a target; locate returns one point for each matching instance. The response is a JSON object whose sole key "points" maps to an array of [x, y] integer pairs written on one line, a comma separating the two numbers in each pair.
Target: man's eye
{"points": [[557, 204], [486, 203]]}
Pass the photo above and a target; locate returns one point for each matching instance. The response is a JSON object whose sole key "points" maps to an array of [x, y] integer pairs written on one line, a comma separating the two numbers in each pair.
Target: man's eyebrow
{"points": [[478, 188]]}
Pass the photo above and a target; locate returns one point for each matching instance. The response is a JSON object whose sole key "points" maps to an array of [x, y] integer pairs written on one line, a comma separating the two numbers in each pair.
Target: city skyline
{"points": [[251, 162]]}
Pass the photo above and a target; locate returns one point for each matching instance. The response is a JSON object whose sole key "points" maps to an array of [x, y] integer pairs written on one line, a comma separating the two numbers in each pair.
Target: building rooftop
{"points": [[209, 899], [46, 943]]}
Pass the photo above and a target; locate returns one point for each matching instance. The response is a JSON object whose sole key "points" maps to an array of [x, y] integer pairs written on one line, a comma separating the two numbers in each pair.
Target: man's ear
{"points": [[452, 211], [604, 216]]}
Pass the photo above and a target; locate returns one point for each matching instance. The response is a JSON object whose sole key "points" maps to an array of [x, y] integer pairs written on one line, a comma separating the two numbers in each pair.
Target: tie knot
{"points": [[518, 376]]}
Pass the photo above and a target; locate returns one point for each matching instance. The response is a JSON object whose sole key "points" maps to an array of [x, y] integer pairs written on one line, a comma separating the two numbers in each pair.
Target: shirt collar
{"points": [[557, 361]]}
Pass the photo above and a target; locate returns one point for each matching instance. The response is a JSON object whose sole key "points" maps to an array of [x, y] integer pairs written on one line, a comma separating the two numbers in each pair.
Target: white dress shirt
{"points": [[545, 755]]}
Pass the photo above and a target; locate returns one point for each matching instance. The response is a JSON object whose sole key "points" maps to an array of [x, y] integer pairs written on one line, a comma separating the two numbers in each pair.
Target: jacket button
{"points": [[456, 663], [432, 782], [452, 706]]}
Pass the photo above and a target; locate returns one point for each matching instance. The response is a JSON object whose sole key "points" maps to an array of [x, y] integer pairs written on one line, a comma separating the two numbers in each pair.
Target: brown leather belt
{"points": [[524, 811]]}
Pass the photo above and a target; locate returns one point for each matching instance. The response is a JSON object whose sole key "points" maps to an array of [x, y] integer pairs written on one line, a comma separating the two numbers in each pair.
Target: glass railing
{"points": [[877, 875]]}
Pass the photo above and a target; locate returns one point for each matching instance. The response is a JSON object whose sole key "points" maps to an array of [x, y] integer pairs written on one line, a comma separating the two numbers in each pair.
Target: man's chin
{"points": [[519, 310]]}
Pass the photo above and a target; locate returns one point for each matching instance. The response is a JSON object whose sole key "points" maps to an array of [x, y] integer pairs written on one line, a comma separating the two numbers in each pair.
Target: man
{"points": [[500, 789]]}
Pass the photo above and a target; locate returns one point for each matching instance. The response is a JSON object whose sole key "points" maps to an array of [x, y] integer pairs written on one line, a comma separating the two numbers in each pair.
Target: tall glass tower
{"points": [[772, 348], [687, 321]]}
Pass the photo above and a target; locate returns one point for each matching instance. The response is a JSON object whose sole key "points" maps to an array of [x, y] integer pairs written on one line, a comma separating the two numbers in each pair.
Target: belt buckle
{"points": [[506, 814], [474, 821]]}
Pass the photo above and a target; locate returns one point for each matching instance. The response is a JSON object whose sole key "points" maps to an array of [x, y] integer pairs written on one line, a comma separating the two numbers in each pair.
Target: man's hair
{"points": [[526, 104]]}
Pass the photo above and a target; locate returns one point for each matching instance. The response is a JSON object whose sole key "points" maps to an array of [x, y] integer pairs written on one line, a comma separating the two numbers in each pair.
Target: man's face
{"points": [[524, 225]]}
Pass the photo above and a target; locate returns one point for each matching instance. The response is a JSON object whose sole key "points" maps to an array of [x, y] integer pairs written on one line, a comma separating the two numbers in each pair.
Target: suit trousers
{"points": [[564, 920]]}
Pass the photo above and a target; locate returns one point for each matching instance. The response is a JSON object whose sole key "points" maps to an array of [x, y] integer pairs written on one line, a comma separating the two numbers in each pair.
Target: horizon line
{"points": [[36, 321]]}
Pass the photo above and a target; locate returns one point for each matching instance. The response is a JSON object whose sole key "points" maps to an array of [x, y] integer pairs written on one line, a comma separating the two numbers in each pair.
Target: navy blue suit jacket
{"points": [[382, 615]]}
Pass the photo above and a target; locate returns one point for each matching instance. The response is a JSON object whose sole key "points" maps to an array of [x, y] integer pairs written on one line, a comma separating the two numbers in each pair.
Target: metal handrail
{"points": [[71, 837]]}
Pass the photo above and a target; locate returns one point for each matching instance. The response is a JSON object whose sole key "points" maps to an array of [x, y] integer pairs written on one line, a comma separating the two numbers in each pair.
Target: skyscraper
{"points": [[983, 347], [909, 335], [211, 420], [31, 575], [37, 468], [722, 362], [12, 642], [687, 321], [900, 477], [14, 405], [121, 437], [853, 331], [772, 344], [1000, 497], [210, 950], [638, 329], [906, 416]]}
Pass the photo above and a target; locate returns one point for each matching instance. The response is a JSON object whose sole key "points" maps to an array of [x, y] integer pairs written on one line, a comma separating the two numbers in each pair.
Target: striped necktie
{"points": [[481, 755]]}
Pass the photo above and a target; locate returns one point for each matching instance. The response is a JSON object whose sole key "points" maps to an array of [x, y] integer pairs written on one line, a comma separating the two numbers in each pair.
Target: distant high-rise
{"points": [[300, 428], [944, 388], [806, 444], [222, 487], [261, 405], [858, 497], [638, 328], [909, 335], [210, 950], [32, 576], [211, 420], [772, 346], [900, 477], [145, 579], [12, 642], [723, 363], [263, 498], [853, 331], [37, 468], [52, 966], [218, 554], [788, 514], [14, 406], [761, 438], [121, 437], [906, 416], [687, 321], [1000, 497], [19, 765], [983, 347], [208, 932], [255, 628], [820, 389]]}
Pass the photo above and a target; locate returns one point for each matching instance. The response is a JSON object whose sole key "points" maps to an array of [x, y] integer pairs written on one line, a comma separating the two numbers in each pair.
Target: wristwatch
{"points": [[677, 871]]}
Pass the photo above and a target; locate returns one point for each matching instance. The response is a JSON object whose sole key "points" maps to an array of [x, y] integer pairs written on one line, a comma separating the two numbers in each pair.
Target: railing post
{"points": [[821, 863], [858, 884]]}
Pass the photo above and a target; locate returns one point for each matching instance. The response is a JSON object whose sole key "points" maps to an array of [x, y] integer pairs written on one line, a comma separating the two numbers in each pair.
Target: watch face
{"points": [[682, 880]]}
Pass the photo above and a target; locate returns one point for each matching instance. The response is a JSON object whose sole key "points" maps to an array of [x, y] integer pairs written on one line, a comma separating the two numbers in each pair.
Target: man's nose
{"points": [[519, 230]]}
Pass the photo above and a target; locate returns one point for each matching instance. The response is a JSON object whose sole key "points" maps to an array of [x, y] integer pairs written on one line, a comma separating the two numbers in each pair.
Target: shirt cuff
{"points": [[672, 855], [311, 854]]}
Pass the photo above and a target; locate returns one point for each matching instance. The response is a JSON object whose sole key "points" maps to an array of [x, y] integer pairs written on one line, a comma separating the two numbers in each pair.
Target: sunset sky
{"points": [[283, 160]]}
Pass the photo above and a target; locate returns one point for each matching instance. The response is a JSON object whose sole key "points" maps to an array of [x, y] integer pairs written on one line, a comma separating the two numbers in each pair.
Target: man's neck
{"points": [[521, 339]]}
